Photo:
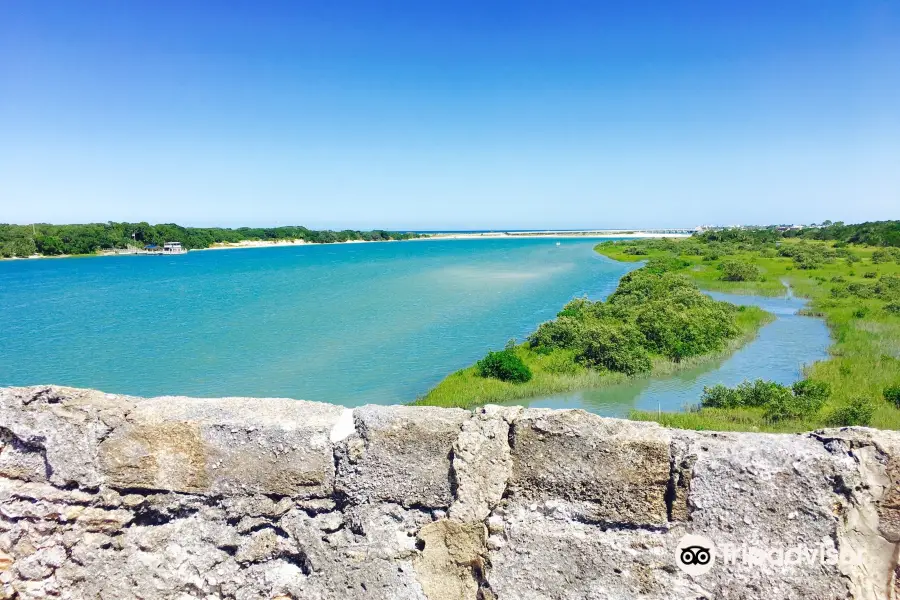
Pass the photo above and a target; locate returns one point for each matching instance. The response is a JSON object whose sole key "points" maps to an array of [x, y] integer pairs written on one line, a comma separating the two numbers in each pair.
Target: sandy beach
{"points": [[428, 236], [553, 234]]}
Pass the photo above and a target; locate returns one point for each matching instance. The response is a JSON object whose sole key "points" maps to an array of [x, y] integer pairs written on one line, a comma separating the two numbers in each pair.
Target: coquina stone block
{"points": [[400, 454], [607, 470], [224, 446], [112, 497]]}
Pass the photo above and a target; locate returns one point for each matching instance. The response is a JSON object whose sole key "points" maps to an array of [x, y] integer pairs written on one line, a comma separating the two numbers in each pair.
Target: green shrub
{"points": [[563, 332], [635, 251], [870, 274], [804, 398], [615, 346], [719, 396], [892, 394], [880, 256], [679, 328], [816, 392], [665, 264], [746, 394], [759, 392], [861, 290], [782, 405], [505, 366], [735, 270], [892, 307], [806, 256], [861, 312], [858, 411], [888, 288], [654, 311], [574, 308]]}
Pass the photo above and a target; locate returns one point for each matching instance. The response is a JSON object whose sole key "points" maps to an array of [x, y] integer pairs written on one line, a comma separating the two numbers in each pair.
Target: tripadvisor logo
{"points": [[695, 554]]}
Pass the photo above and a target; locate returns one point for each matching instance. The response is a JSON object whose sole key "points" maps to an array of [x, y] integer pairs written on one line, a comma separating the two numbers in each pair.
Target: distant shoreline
{"points": [[551, 234], [244, 244]]}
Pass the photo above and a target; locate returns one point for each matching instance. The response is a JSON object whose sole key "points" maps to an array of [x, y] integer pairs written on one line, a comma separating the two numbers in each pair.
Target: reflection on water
{"points": [[779, 353]]}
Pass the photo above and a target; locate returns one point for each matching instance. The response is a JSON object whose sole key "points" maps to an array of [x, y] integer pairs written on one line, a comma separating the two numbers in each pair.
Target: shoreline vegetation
{"points": [[656, 322], [851, 277], [43, 240], [849, 273]]}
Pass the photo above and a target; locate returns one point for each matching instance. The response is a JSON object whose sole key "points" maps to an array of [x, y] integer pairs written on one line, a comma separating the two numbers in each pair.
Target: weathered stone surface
{"points": [[869, 482], [451, 565], [120, 498], [59, 428], [482, 463], [224, 446], [770, 492], [546, 556], [608, 470], [400, 454]]}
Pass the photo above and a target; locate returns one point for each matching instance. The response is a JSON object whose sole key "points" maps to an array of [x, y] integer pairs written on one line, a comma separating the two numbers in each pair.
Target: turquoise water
{"points": [[779, 353], [345, 323]]}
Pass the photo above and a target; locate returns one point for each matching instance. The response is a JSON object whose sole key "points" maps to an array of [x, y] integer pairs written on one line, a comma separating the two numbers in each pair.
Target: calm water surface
{"points": [[347, 323], [779, 353]]}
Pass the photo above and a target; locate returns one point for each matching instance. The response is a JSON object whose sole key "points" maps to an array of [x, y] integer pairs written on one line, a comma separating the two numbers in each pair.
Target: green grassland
{"points": [[855, 288]]}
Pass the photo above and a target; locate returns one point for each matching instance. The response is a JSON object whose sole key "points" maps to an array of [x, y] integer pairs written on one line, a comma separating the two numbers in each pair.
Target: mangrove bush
{"points": [[505, 366]]}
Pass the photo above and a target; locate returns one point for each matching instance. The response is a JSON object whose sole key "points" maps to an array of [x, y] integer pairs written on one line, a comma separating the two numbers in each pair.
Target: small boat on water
{"points": [[557, 243]]}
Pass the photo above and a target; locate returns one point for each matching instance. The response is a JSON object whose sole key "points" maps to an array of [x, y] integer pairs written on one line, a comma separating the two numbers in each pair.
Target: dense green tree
{"points": [[88, 238]]}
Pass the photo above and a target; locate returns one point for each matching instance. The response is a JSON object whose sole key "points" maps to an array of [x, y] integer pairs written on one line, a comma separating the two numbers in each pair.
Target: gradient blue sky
{"points": [[435, 115]]}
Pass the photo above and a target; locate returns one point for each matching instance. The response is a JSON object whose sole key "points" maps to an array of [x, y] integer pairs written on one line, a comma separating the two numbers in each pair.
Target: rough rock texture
{"points": [[112, 497]]}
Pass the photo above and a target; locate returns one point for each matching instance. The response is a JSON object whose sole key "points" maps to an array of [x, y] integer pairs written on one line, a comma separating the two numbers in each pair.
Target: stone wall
{"points": [[114, 497]]}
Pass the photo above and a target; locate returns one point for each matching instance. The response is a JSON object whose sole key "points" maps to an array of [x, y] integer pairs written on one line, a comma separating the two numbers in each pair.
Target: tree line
{"points": [[55, 240], [875, 233]]}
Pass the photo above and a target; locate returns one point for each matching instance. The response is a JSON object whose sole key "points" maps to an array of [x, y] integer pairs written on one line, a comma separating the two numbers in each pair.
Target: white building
{"points": [[173, 248]]}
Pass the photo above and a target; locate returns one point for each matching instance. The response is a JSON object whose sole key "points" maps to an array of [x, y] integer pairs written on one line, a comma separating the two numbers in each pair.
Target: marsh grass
{"points": [[865, 353], [864, 357], [556, 373]]}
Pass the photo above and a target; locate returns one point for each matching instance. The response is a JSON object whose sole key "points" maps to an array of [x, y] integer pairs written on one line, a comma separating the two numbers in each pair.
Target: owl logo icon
{"points": [[695, 554]]}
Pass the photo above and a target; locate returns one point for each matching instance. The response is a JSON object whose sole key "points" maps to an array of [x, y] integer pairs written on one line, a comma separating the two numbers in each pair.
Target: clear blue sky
{"points": [[435, 115]]}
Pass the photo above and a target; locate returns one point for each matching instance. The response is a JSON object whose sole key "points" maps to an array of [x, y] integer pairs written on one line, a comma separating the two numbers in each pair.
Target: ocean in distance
{"points": [[344, 323]]}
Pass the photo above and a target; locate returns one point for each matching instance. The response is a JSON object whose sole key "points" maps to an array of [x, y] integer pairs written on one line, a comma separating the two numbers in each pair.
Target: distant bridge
{"points": [[607, 232]]}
